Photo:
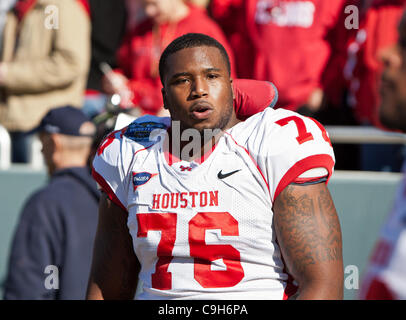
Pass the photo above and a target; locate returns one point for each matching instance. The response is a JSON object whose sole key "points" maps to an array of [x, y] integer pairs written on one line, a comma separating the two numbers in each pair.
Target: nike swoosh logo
{"points": [[220, 175]]}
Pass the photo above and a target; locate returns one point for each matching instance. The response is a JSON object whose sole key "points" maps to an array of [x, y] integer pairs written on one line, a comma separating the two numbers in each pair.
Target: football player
{"points": [[202, 205]]}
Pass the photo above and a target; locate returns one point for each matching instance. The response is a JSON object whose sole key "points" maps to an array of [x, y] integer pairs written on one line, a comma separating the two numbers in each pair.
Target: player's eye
{"points": [[181, 81], [212, 76]]}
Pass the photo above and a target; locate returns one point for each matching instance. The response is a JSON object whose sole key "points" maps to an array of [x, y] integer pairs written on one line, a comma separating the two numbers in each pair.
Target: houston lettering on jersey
{"points": [[184, 199]]}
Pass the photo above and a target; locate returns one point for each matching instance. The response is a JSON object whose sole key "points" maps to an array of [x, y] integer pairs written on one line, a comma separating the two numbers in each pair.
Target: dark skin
{"points": [[309, 235], [198, 79], [115, 267], [305, 219]]}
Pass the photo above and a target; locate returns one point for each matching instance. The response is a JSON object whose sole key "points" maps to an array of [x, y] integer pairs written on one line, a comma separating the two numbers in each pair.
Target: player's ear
{"points": [[164, 98], [232, 86]]}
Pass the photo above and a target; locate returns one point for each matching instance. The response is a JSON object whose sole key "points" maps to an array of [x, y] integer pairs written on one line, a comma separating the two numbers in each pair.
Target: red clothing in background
{"points": [[334, 84], [230, 14], [363, 68], [252, 96], [138, 57], [290, 42]]}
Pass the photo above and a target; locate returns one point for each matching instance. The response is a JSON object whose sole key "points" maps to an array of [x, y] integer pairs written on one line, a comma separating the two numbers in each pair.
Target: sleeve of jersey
{"points": [[110, 165], [293, 145]]}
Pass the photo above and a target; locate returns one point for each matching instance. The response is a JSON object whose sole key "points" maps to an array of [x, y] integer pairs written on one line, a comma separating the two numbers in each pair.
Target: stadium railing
{"points": [[5, 149], [363, 199], [338, 134], [354, 135], [35, 159]]}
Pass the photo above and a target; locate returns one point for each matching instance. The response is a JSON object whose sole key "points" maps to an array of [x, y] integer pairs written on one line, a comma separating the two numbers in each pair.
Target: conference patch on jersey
{"points": [[141, 132], [141, 178]]}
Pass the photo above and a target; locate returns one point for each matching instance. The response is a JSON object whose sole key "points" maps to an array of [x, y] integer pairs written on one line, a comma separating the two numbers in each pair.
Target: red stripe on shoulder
{"points": [[106, 188], [109, 140], [311, 162]]}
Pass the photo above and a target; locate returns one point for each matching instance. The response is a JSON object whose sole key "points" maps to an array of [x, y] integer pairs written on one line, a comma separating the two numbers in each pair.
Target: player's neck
{"points": [[196, 148], [189, 144]]}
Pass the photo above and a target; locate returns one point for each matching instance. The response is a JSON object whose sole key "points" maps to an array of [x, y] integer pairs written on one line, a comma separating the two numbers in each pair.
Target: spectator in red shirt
{"points": [[353, 76], [290, 41], [363, 67], [138, 78], [230, 14]]}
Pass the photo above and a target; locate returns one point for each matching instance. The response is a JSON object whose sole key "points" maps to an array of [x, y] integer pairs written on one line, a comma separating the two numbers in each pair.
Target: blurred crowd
{"points": [[324, 57]]}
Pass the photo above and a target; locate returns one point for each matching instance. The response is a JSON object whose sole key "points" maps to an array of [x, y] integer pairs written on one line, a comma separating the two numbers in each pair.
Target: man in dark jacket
{"points": [[52, 247]]}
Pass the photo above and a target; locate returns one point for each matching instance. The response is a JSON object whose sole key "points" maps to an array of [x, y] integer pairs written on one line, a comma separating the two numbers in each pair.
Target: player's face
{"points": [[198, 89], [393, 85]]}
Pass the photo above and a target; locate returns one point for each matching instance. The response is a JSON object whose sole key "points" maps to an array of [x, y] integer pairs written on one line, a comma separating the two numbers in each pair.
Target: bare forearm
{"points": [[309, 235], [115, 268], [322, 290]]}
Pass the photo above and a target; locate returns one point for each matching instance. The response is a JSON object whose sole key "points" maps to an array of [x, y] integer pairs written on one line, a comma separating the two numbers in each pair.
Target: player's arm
{"points": [[115, 267], [309, 235]]}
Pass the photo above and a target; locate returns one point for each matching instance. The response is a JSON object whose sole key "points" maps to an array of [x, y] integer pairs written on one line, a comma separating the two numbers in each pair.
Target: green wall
{"points": [[363, 200], [16, 185]]}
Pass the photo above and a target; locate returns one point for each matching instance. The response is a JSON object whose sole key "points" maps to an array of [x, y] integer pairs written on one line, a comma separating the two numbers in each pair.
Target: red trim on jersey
{"points": [[290, 288], [253, 160], [311, 162], [110, 139], [135, 153], [171, 159], [105, 186], [206, 155]]}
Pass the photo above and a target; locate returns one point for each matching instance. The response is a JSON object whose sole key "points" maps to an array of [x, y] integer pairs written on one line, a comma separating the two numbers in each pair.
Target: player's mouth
{"points": [[201, 110]]}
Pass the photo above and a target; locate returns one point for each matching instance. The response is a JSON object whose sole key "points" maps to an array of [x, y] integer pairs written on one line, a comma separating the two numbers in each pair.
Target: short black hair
{"points": [[191, 40]]}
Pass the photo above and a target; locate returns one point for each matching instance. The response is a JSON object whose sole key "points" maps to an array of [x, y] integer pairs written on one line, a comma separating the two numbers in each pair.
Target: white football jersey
{"points": [[204, 229], [385, 276]]}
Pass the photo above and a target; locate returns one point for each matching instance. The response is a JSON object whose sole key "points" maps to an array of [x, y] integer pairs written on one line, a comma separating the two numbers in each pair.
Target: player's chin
{"points": [[206, 127], [198, 123]]}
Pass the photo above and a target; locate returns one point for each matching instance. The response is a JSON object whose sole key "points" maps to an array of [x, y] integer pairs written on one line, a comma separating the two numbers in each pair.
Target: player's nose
{"points": [[199, 88]]}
